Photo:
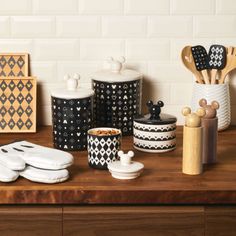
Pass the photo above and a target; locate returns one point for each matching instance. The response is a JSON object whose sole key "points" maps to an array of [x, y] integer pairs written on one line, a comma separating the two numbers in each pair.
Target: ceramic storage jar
{"points": [[155, 132], [117, 97], [71, 115]]}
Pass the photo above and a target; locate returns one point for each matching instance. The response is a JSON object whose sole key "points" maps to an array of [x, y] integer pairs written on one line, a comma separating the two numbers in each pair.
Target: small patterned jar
{"points": [[155, 132], [103, 148], [117, 97], [71, 115]]}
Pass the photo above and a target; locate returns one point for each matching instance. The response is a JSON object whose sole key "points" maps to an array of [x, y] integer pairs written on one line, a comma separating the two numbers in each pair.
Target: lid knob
{"points": [[193, 119], [72, 83], [125, 159], [154, 109], [209, 109], [116, 65]]}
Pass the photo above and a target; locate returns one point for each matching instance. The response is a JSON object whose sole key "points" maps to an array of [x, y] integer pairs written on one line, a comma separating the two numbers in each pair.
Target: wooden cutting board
{"points": [[17, 104], [14, 64]]}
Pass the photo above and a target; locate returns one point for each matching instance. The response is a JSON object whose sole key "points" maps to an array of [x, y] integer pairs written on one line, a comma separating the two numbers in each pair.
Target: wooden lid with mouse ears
{"points": [[210, 109], [155, 116]]}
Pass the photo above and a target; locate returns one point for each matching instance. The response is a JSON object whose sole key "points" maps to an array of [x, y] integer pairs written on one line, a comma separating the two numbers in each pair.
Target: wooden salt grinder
{"points": [[192, 142], [210, 131]]}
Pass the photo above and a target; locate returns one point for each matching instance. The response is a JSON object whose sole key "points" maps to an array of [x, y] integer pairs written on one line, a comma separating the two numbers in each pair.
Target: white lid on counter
{"points": [[115, 73], [125, 168], [72, 91]]}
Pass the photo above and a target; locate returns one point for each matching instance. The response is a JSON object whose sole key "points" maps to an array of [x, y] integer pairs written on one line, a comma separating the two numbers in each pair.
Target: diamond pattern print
{"points": [[29, 98], [20, 98], [29, 85], [11, 123], [12, 85], [3, 85], [17, 113], [11, 62], [11, 111], [13, 65], [102, 150], [20, 85], [3, 62]]}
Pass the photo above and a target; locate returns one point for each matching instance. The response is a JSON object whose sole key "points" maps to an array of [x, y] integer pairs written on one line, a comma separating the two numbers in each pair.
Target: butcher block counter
{"points": [[162, 201]]}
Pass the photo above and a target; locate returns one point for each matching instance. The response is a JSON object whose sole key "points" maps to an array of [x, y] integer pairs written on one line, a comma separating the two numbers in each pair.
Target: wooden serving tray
{"points": [[17, 104], [14, 64]]}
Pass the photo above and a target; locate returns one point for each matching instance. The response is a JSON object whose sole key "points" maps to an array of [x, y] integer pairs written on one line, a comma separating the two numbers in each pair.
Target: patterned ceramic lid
{"points": [[72, 91], [155, 117], [115, 73]]}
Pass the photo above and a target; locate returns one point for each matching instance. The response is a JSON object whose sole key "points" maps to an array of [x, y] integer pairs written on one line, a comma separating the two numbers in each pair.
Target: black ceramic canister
{"points": [[117, 97], [71, 116], [103, 149]]}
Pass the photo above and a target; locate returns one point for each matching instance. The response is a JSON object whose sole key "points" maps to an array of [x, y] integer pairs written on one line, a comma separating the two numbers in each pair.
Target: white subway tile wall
{"points": [[68, 36]]}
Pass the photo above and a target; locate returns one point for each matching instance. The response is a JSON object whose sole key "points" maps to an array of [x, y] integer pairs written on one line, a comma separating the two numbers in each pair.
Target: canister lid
{"points": [[115, 73], [72, 91], [155, 117], [125, 168]]}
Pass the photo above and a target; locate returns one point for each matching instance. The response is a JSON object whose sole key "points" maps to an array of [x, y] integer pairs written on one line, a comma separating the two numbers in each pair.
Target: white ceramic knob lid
{"points": [[72, 91], [72, 82], [116, 65], [125, 159]]}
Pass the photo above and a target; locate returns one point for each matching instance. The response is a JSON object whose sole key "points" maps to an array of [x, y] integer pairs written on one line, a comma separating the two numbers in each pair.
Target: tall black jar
{"points": [[117, 97], [71, 116]]}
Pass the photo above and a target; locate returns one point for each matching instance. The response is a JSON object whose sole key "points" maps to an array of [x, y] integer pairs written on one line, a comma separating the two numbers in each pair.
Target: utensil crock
{"points": [[214, 92]]}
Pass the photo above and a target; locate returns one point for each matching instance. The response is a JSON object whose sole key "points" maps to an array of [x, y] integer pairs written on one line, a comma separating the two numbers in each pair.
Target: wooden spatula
{"points": [[187, 59], [216, 60], [230, 64], [201, 61]]}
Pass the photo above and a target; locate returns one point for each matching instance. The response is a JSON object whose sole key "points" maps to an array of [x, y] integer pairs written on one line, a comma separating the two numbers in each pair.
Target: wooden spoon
{"points": [[187, 59], [230, 64]]}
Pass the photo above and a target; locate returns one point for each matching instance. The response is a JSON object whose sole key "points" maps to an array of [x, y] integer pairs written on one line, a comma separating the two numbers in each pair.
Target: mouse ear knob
{"points": [[186, 111], [203, 102], [160, 103], [120, 153], [215, 105], [130, 153]]}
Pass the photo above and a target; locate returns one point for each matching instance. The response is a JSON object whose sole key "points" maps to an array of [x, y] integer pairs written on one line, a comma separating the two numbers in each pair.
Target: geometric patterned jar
{"points": [[103, 149], [117, 97], [71, 116]]}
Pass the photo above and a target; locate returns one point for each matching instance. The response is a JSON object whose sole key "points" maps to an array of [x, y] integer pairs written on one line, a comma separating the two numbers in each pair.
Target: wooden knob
{"points": [[209, 109], [193, 119]]}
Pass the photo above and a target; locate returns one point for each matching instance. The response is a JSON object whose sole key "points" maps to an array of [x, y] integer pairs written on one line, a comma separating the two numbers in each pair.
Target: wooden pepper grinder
{"points": [[210, 127], [192, 142]]}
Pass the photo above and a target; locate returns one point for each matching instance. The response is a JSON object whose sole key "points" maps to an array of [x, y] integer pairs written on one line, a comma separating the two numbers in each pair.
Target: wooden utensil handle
{"points": [[205, 76], [222, 78], [198, 78], [213, 76]]}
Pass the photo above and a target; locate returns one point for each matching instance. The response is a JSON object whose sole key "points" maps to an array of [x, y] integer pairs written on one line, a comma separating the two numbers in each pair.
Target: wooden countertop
{"points": [[162, 181]]}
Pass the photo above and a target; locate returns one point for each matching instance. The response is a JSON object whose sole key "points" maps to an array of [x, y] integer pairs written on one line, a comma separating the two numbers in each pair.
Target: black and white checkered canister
{"points": [[102, 150]]}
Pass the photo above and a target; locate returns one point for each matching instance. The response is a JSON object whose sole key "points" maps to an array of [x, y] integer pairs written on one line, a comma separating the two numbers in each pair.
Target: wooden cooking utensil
{"points": [[187, 59], [201, 61], [217, 60], [230, 64]]}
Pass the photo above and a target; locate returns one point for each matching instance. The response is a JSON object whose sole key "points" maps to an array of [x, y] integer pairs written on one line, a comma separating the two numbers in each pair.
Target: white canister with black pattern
{"points": [[155, 132]]}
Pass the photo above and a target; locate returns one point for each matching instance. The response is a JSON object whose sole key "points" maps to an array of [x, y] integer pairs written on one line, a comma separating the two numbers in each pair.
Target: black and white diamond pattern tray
{"points": [[17, 104], [14, 64]]}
